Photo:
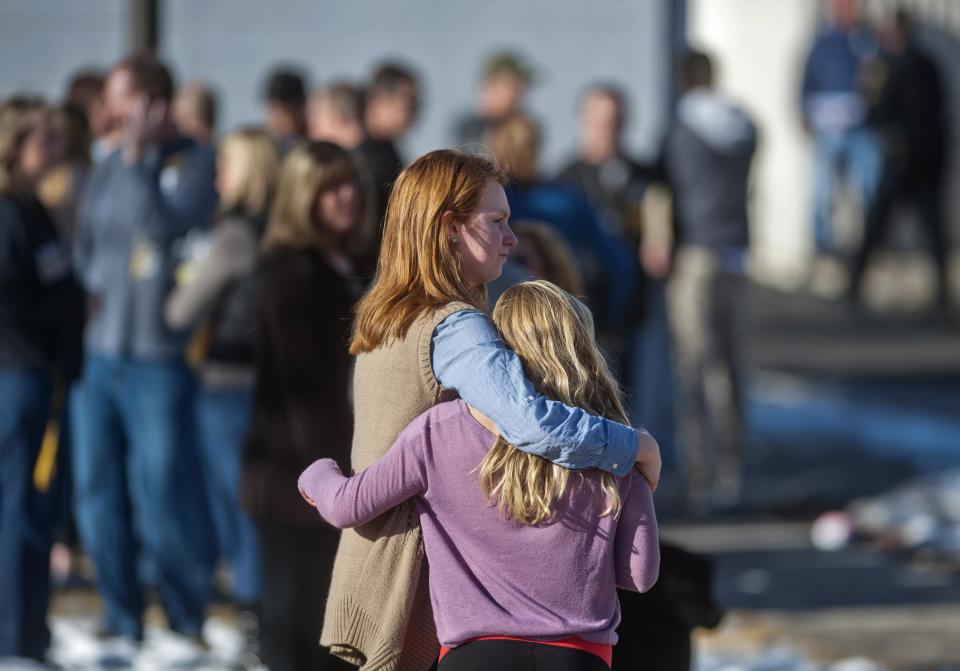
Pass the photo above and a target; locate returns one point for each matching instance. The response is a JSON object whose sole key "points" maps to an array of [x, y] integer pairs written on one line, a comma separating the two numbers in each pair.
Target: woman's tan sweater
{"points": [[378, 612]]}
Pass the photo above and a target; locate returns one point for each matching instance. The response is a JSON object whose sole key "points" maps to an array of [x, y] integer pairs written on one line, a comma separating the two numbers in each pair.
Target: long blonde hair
{"points": [[312, 167], [254, 166], [418, 268], [552, 333]]}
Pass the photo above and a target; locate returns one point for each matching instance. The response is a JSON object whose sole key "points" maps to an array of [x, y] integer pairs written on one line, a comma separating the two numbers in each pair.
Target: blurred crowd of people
{"points": [[875, 104], [176, 302]]}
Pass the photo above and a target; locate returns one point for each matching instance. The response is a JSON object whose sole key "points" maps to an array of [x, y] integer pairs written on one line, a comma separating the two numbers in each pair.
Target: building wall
{"points": [[44, 41], [235, 42]]}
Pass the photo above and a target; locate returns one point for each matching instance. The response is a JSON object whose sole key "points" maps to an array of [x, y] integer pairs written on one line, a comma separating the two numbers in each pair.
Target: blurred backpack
{"points": [[656, 626]]}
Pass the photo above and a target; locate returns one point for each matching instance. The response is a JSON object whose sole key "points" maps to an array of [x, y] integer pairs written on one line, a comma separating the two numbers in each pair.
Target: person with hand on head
{"points": [[421, 335], [131, 411]]}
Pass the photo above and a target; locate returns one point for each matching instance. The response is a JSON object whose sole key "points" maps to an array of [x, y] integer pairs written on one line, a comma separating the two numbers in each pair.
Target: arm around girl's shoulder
{"points": [[350, 501], [470, 357]]}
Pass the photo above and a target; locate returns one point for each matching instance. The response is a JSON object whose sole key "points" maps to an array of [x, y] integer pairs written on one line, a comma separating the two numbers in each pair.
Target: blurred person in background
{"points": [[195, 112], [707, 158], [285, 107], [616, 185], [41, 311], [86, 93], [504, 83], [604, 263], [546, 255], [307, 288], [834, 110], [137, 483], [391, 103], [335, 114], [220, 297], [541, 253], [63, 185], [912, 113]]}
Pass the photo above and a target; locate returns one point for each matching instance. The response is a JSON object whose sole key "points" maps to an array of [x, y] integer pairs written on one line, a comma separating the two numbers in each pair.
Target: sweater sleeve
{"points": [[346, 502], [636, 547], [470, 357]]}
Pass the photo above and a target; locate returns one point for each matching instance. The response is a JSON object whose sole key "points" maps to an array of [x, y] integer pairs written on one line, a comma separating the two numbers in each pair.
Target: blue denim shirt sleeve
{"points": [[469, 357]]}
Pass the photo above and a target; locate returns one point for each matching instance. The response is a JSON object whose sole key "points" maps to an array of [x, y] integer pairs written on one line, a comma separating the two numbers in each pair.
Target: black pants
{"points": [[519, 656], [911, 185], [297, 564]]}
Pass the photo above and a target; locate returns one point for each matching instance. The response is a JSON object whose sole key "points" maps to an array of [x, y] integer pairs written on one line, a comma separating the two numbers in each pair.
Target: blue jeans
{"points": [[650, 374], [858, 153], [137, 485], [222, 419], [26, 519]]}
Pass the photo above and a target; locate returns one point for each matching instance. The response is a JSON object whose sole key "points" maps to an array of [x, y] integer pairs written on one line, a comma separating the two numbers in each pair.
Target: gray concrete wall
{"points": [[235, 42], [42, 42]]}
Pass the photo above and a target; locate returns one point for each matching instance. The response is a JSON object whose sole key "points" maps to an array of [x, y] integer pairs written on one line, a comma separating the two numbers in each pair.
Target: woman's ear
{"points": [[450, 226]]}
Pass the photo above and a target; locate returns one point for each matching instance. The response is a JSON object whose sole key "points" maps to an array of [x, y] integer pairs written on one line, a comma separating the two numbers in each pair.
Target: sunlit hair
{"points": [[19, 115], [309, 169], [253, 164], [418, 268], [552, 333], [560, 265], [515, 142]]}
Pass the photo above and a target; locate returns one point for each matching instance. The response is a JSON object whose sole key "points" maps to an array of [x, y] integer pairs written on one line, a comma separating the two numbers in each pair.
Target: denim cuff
{"points": [[621, 452]]}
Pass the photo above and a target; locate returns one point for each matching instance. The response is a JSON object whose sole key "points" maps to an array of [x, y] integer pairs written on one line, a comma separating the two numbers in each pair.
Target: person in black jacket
{"points": [[707, 159], [301, 411], [911, 113], [41, 309]]}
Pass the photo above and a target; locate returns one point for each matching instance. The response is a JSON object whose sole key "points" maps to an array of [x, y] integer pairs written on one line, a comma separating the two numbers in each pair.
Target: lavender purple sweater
{"points": [[490, 576]]}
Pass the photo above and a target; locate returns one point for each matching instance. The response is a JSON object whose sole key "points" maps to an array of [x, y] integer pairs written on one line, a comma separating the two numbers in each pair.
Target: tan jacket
{"points": [[378, 612]]}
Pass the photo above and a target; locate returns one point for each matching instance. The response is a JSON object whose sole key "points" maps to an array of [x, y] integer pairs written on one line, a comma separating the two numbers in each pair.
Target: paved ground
{"points": [[842, 405]]}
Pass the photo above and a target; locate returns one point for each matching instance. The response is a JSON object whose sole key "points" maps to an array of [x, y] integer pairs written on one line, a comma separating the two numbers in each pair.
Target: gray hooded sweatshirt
{"points": [[707, 158]]}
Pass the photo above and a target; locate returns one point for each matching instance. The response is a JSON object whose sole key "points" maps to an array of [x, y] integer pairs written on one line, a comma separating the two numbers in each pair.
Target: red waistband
{"points": [[602, 650]]}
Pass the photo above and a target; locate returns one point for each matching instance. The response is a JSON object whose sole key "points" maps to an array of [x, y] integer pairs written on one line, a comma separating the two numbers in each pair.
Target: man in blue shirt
{"points": [[131, 412], [835, 113]]}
